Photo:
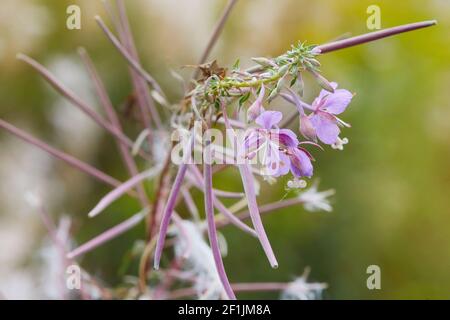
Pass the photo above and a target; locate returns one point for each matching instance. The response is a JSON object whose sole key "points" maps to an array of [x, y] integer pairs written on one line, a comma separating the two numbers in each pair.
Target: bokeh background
{"points": [[392, 182]]}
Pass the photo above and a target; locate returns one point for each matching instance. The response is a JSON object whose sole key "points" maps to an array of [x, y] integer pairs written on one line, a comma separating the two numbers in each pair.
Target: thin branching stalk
{"points": [[77, 101], [212, 231], [264, 209], [249, 188], [122, 189], [221, 207], [140, 84], [71, 160], [106, 103], [162, 192], [130, 60], [109, 234], [215, 34], [171, 202]]}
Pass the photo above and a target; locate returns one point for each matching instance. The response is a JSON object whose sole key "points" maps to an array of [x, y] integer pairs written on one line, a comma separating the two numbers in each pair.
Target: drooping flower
{"points": [[278, 149], [256, 108], [325, 108], [322, 122]]}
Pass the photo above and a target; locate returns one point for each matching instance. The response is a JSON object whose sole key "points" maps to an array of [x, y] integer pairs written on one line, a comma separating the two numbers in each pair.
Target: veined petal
{"points": [[268, 119], [288, 138], [301, 165], [307, 128], [283, 165], [337, 102], [253, 143], [326, 127], [270, 158], [323, 94], [256, 108]]}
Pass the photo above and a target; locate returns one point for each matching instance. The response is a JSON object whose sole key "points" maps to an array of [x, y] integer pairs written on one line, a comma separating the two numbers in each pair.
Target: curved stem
{"points": [[212, 232], [171, 202]]}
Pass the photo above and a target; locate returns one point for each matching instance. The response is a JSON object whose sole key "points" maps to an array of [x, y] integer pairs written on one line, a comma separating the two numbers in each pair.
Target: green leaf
{"points": [[244, 98], [217, 104], [293, 81], [236, 64]]}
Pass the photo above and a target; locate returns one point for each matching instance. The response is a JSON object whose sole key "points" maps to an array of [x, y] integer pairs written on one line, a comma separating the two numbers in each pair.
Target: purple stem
{"points": [[107, 235], [220, 206], [131, 61], [167, 214], [122, 189], [74, 162], [132, 47], [140, 91], [364, 38], [215, 35], [171, 202], [217, 192], [190, 204], [249, 188], [267, 208], [145, 102], [212, 232], [113, 118], [72, 97], [354, 41]]}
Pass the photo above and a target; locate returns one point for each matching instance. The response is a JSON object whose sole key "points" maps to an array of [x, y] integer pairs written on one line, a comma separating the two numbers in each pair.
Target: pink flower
{"points": [[323, 119], [278, 148], [256, 108]]}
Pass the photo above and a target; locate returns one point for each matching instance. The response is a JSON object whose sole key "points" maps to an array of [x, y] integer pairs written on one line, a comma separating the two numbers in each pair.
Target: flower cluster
{"points": [[281, 147], [219, 99]]}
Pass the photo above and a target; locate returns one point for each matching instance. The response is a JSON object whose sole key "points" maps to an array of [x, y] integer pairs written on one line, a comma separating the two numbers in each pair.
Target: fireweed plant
{"points": [[183, 149]]}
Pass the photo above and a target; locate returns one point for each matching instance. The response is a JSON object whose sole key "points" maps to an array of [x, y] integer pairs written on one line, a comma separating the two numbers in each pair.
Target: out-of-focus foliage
{"points": [[392, 181]]}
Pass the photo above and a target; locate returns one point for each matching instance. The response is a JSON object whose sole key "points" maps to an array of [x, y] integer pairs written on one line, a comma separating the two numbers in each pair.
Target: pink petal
{"points": [[268, 119], [288, 138], [301, 165], [256, 108], [326, 128], [306, 128], [283, 165], [323, 93], [337, 102]]}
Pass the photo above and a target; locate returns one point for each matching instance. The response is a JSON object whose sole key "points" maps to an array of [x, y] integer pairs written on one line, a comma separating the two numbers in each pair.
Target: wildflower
{"points": [[325, 108], [300, 289], [314, 200], [279, 147], [256, 108]]}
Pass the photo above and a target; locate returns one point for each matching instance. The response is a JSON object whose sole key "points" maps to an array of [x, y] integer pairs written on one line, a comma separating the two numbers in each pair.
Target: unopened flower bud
{"points": [[283, 69], [322, 81], [307, 128], [264, 62]]}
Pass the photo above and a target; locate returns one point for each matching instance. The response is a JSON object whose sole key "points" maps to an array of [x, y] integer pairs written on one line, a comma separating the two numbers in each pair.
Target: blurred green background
{"points": [[392, 182]]}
